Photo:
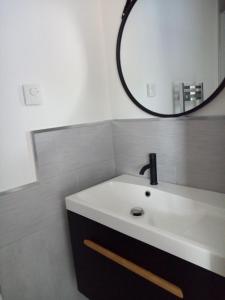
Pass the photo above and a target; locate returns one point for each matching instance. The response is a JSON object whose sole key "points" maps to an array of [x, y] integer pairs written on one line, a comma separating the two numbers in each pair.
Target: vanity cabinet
{"points": [[111, 266]]}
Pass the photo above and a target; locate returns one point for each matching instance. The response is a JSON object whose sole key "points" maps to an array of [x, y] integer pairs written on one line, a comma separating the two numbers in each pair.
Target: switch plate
{"points": [[151, 90], [32, 94]]}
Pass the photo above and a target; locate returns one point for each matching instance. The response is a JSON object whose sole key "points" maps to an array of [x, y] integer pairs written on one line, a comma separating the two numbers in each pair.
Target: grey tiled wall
{"points": [[35, 257], [191, 151]]}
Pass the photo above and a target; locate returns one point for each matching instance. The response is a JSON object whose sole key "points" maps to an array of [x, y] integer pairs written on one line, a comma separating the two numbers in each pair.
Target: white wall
{"points": [[57, 44], [122, 107]]}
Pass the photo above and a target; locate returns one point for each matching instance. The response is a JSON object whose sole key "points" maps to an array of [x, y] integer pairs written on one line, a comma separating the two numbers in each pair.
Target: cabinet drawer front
{"points": [[98, 275], [147, 275]]}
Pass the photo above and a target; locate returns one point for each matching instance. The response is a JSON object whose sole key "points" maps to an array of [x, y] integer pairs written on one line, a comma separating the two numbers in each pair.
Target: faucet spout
{"points": [[144, 169], [153, 169]]}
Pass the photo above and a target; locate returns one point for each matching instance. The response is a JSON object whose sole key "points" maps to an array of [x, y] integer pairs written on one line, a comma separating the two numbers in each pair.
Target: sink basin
{"points": [[186, 222]]}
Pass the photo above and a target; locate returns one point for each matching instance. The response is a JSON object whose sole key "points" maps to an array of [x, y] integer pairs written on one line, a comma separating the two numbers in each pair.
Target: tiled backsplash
{"points": [[190, 151]]}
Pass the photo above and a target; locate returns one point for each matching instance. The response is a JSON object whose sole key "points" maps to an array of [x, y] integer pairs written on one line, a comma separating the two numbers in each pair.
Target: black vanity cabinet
{"points": [[100, 278]]}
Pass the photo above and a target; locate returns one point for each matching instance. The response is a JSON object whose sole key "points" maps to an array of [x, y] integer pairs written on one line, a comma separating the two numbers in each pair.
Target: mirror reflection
{"points": [[173, 53]]}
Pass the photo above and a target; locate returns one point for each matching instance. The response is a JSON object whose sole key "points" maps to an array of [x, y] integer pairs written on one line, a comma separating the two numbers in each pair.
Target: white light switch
{"points": [[151, 90], [32, 94]]}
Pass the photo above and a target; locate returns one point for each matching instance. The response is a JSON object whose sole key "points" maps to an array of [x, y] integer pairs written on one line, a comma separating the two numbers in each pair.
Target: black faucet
{"points": [[153, 169]]}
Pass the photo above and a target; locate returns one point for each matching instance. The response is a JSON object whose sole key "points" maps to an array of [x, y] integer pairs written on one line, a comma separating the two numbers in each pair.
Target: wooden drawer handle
{"points": [[162, 283]]}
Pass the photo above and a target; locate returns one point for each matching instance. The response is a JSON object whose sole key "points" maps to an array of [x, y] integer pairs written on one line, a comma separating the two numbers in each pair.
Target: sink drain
{"points": [[137, 211]]}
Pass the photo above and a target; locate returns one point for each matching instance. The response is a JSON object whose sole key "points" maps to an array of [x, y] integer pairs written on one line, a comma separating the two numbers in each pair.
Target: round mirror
{"points": [[171, 54]]}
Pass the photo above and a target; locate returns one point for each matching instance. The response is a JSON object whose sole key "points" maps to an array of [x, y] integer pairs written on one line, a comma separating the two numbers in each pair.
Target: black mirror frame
{"points": [[127, 10]]}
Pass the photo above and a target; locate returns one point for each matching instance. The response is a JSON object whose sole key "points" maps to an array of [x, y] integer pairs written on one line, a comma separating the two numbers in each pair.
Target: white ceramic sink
{"points": [[186, 222]]}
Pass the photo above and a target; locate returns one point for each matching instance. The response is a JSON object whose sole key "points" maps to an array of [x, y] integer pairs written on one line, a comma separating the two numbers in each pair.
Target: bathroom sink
{"points": [[186, 222]]}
